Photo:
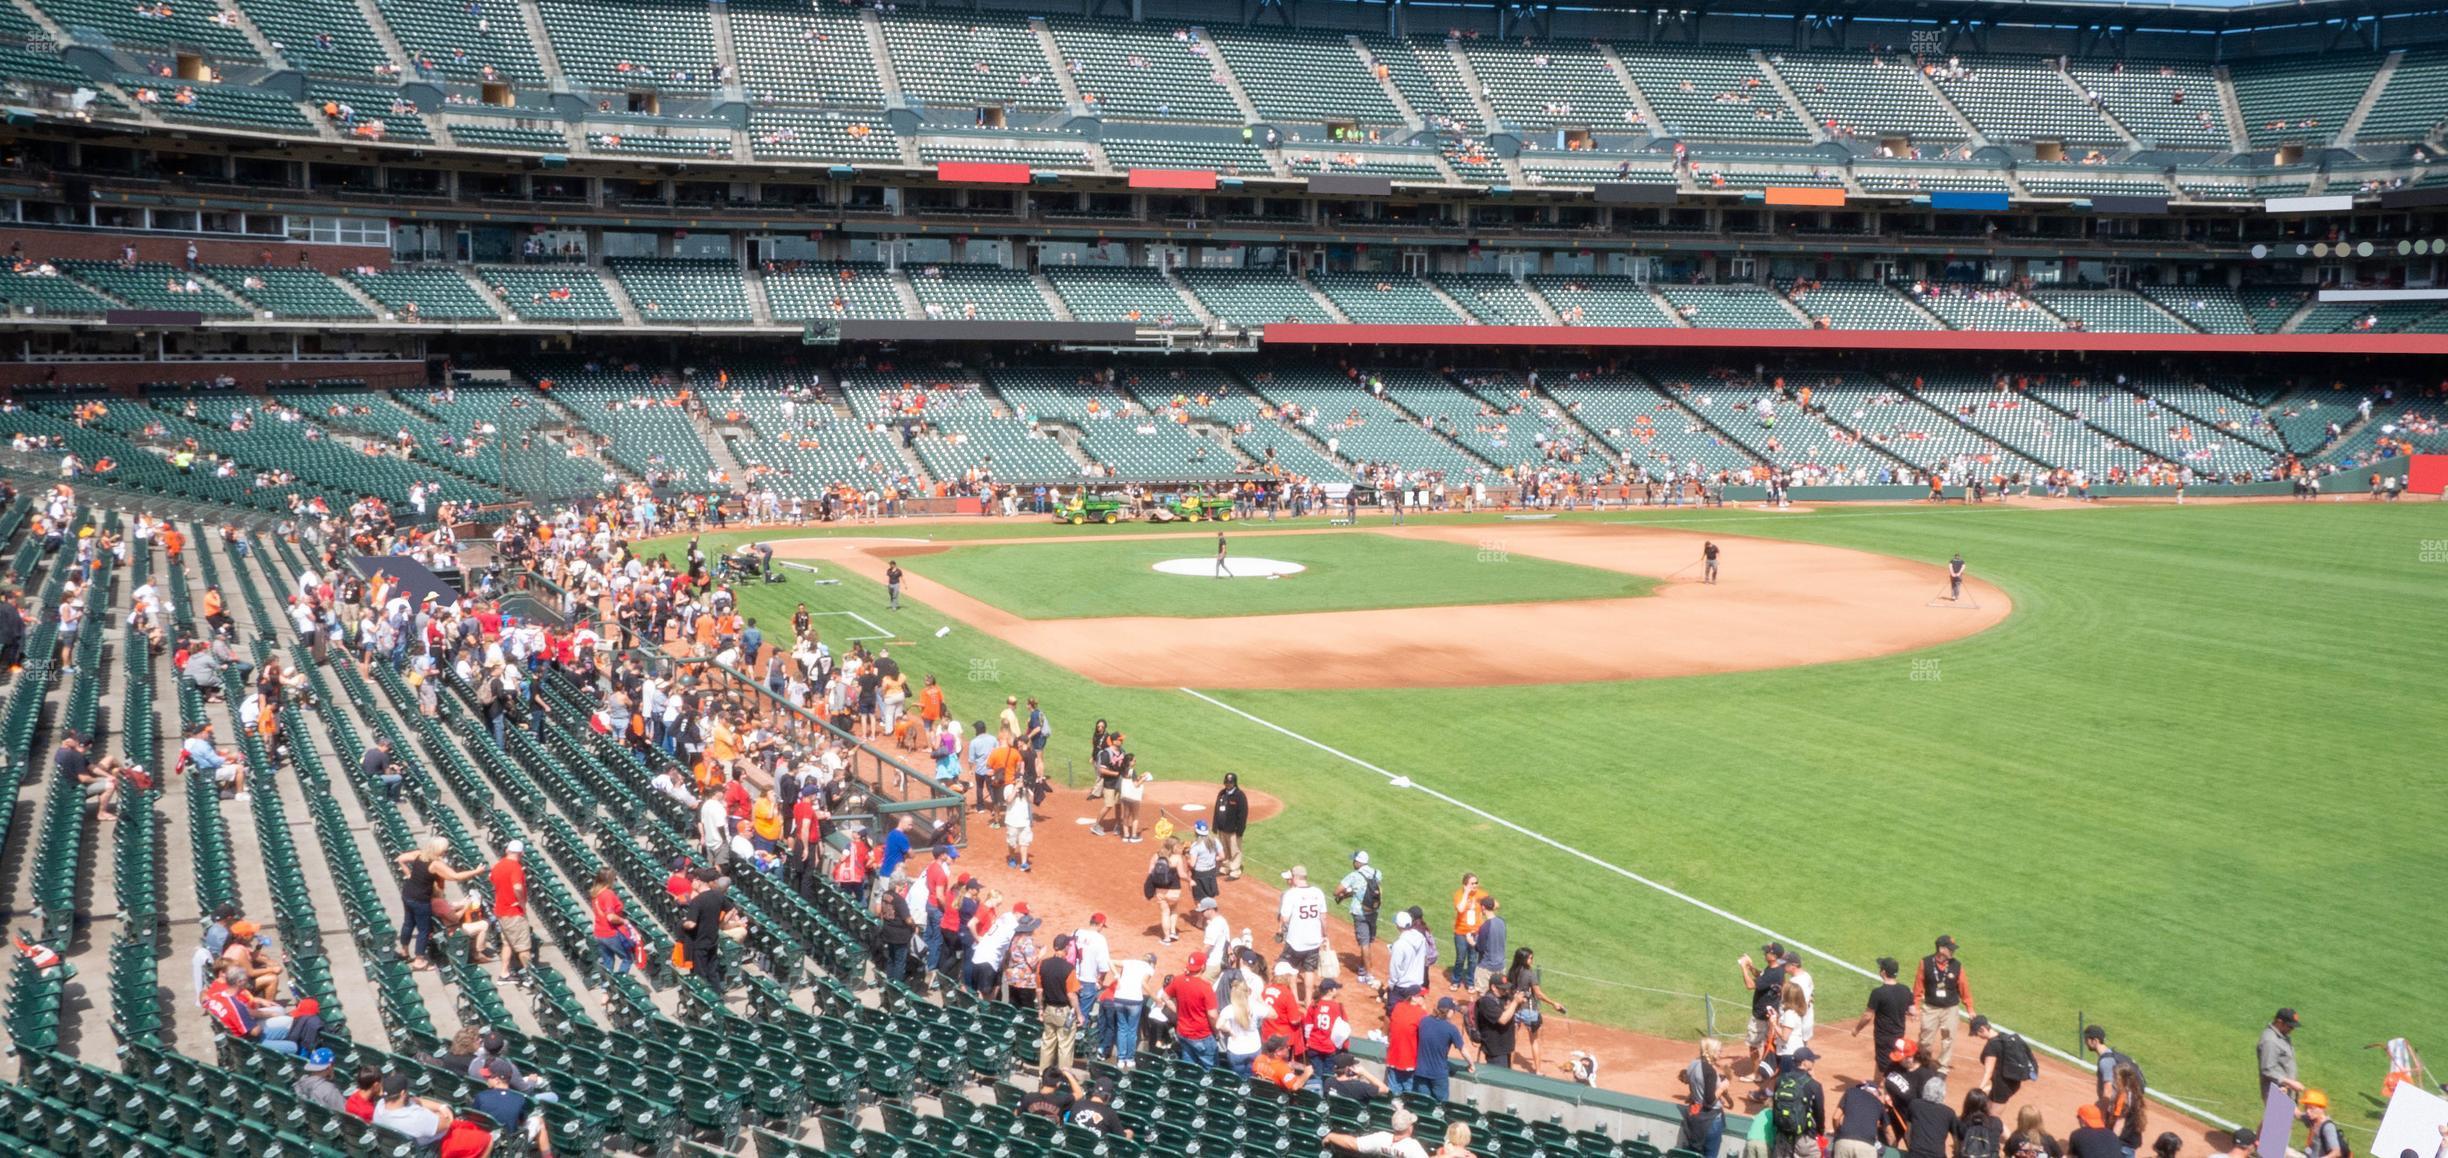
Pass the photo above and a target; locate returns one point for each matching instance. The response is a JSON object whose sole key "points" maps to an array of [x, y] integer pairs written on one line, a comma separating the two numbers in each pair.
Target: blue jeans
{"points": [[1092, 1030], [931, 934], [1398, 1082], [1435, 1087], [1463, 956], [1125, 1015], [1239, 1063], [416, 927], [1707, 1132], [1199, 1052], [608, 949], [896, 961]]}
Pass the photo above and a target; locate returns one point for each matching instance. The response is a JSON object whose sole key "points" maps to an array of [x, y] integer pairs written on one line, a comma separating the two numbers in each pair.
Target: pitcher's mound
{"points": [[1235, 567]]}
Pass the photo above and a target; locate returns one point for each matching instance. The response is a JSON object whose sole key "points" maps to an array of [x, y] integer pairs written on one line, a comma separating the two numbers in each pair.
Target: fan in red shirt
{"points": [[1324, 1027], [1402, 1040], [1194, 1009], [1283, 1014]]}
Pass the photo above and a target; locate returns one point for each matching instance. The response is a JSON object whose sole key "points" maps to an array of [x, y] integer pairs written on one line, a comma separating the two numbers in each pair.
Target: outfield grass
{"points": [[1345, 572], [2186, 783]]}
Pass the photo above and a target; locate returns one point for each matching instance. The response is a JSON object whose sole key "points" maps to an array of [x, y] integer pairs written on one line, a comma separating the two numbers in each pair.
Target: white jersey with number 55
{"points": [[1304, 916]]}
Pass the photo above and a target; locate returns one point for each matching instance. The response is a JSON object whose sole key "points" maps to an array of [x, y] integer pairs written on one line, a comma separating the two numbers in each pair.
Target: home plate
{"points": [[1235, 567]]}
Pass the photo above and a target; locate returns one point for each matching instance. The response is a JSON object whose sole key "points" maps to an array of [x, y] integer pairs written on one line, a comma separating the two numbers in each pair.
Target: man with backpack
{"points": [[2006, 1061], [1364, 887], [1797, 1110]]}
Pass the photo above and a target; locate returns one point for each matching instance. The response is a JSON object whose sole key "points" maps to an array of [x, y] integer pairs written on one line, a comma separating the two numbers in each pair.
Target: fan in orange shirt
{"points": [[1467, 916]]}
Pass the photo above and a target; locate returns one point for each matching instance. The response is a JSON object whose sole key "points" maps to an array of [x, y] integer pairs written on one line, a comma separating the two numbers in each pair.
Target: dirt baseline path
{"points": [[1776, 604]]}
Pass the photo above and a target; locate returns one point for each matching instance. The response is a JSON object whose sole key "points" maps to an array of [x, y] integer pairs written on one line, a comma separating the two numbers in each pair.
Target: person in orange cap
{"points": [[2321, 1136]]}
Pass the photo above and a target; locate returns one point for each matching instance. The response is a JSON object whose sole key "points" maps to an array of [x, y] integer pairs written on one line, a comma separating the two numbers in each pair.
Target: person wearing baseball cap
{"points": [[1355, 887], [2241, 1142], [2276, 1054], [1192, 1000], [316, 1084], [1441, 1048], [1395, 1140], [1301, 921], [1885, 1015], [1766, 981], [1939, 989], [1797, 1135]]}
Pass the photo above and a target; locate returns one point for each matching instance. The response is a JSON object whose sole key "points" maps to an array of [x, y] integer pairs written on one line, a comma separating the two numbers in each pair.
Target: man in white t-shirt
{"points": [[1302, 916], [1397, 1142]]}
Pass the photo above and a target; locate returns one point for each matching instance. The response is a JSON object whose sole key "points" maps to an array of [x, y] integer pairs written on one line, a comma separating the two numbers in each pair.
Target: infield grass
{"points": [[2191, 779], [1346, 572]]}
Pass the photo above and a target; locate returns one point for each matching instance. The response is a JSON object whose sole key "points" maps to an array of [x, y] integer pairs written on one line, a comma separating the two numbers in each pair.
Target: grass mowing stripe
{"points": [[1788, 939]]}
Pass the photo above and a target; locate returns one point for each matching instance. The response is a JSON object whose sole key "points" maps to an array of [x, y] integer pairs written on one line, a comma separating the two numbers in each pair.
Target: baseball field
{"points": [[2174, 771]]}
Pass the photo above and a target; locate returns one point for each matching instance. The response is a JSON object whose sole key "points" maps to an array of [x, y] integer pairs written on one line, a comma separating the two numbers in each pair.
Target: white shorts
{"points": [[1019, 837]]}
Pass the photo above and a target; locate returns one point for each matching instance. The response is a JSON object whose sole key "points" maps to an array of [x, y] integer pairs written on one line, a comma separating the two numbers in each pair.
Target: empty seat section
{"points": [[651, 44], [128, 26], [1119, 293], [1143, 72], [1867, 95], [1051, 155], [1254, 297], [1715, 94], [1477, 425], [464, 39], [1640, 422], [574, 293], [1920, 182], [1422, 69], [2304, 99], [1232, 158], [2110, 311], [2023, 423], [2364, 317], [976, 60], [1550, 84], [1304, 76], [661, 143], [498, 135], [1573, 173], [812, 447], [1894, 420], [153, 285], [2211, 309], [423, 293], [1493, 298], [368, 112], [827, 290], [1303, 160], [2020, 99], [1975, 307], [2165, 434], [2166, 103], [1339, 411], [1859, 305], [318, 38], [811, 54], [676, 290], [230, 106], [1121, 435], [962, 431], [1738, 307], [650, 435], [1257, 426], [288, 291], [24, 67], [2270, 307], [775, 135], [2415, 103], [1385, 299], [1600, 300], [49, 294], [979, 292], [2068, 182]]}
